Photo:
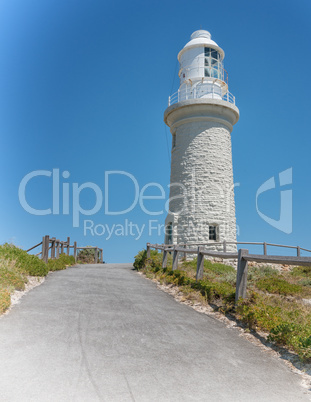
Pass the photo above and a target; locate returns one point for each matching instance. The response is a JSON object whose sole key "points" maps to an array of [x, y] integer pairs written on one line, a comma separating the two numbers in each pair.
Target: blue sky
{"points": [[83, 88]]}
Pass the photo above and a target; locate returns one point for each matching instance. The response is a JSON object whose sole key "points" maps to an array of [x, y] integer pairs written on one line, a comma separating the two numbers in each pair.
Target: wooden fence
{"points": [[242, 256], [52, 248]]}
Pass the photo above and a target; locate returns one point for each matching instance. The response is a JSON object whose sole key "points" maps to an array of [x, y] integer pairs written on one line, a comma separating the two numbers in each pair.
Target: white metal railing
{"points": [[194, 93]]}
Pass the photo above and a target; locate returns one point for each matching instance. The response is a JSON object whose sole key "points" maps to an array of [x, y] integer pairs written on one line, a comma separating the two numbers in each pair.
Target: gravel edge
{"points": [[32, 282]]}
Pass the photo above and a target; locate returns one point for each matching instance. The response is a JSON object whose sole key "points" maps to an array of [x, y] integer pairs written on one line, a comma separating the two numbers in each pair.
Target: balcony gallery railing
{"points": [[207, 92]]}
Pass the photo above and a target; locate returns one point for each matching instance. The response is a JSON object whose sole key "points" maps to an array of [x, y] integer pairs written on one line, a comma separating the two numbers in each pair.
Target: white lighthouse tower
{"points": [[201, 115]]}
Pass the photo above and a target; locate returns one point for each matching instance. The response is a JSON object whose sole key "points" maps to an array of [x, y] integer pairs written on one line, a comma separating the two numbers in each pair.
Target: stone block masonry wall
{"points": [[202, 187]]}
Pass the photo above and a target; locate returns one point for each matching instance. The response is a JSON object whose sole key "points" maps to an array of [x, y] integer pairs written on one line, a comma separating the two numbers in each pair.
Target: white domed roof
{"points": [[201, 33], [201, 38]]}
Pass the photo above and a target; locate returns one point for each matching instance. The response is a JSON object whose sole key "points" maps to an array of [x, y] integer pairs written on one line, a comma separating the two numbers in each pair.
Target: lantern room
{"points": [[201, 72]]}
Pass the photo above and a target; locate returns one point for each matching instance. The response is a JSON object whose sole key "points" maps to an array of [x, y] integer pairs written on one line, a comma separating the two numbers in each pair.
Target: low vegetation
{"points": [[87, 255], [276, 301], [16, 265], [61, 263]]}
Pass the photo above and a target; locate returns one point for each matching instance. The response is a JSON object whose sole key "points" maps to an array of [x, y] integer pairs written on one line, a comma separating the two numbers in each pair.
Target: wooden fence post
{"points": [[185, 254], [68, 245], [175, 259], [164, 259], [45, 248], [75, 250], [57, 248], [200, 264], [241, 277], [265, 248], [53, 248], [298, 251], [62, 247], [96, 255], [47, 245], [148, 250]]}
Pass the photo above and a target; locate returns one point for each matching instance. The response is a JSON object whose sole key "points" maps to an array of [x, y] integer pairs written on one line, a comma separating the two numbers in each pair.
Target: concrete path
{"points": [[106, 333]]}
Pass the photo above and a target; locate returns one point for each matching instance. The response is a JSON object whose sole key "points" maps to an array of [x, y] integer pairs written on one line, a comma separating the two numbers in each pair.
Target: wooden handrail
{"points": [[230, 242], [242, 256], [217, 254], [57, 247], [37, 245], [279, 259]]}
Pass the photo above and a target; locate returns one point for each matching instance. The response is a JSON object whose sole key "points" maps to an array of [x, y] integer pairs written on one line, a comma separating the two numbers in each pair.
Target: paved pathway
{"points": [[105, 333]]}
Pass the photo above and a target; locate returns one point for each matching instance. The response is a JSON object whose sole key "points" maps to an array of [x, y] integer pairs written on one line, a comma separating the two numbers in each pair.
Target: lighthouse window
{"points": [[212, 59], [212, 229], [207, 72], [207, 51], [214, 54], [215, 73], [174, 141]]}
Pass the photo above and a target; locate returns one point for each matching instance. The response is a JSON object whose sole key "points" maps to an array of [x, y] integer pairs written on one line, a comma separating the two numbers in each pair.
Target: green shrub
{"points": [[256, 273], [288, 322], [190, 264], [218, 268], [301, 271], [283, 332], [27, 263], [16, 264], [279, 286], [9, 278], [212, 271], [305, 282], [296, 336], [140, 259], [210, 290], [257, 310], [5, 300], [87, 255], [216, 290], [61, 263], [229, 277], [302, 344], [154, 261]]}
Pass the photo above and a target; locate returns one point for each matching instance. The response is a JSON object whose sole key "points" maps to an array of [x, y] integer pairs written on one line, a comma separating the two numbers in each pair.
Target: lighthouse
{"points": [[201, 116]]}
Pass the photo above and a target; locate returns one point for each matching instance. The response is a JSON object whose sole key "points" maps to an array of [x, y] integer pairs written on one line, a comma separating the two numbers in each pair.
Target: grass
{"points": [[23, 262], [61, 263], [5, 300], [279, 286], [16, 264], [288, 322], [274, 303]]}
